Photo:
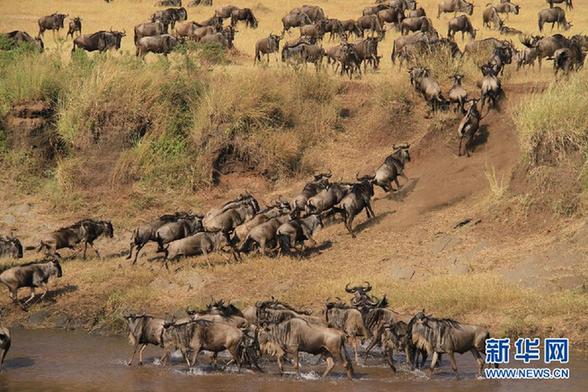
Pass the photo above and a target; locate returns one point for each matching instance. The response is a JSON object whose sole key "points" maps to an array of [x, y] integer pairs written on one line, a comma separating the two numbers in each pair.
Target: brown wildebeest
{"points": [[553, 15], [350, 26], [10, 247], [265, 46], [296, 335], [224, 38], [439, 336], [507, 8], [144, 329], [31, 275], [226, 11], [491, 19], [334, 27], [506, 30], [296, 231], [461, 23], [264, 235], [455, 6], [85, 231], [100, 41], [4, 344], [568, 59], [274, 311], [421, 23], [457, 94], [18, 37], [371, 23], [568, 3], [468, 127], [244, 15], [198, 244], [491, 90], [393, 167], [348, 320], [169, 3], [314, 12], [75, 26], [356, 201], [295, 20], [161, 44], [182, 228], [53, 22], [148, 29]]}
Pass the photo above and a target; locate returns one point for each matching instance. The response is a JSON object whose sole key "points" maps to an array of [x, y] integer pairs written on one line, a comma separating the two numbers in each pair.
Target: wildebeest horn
{"points": [[368, 286], [349, 290], [357, 176]]}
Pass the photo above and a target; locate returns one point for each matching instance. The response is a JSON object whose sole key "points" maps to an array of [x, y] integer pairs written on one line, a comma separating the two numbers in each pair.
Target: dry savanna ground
{"points": [[519, 267]]}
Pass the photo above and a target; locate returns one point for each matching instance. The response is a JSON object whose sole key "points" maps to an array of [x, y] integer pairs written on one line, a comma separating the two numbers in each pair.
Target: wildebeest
{"points": [[553, 15], [169, 3], [421, 23], [568, 3], [75, 26], [346, 56], [428, 87], [334, 27], [526, 56], [461, 23], [186, 29], [161, 44], [327, 198], [506, 30], [244, 15], [357, 200], [440, 336], [182, 228], [314, 12], [264, 235], [371, 23], [147, 232], [5, 342], [318, 183], [148, 30], [296, 335], [230, 218], [507, 8], [393, 167], [315, 30], [53, 22], [295, 20], [144, 329], [348, 320], [272, 211], [568, 59], [457, 94], [195, 3], [501, 57], [468, 127], [296, 231], [169, 17], [491, 19], [226, 11], [546, 46], [350, 26], [491, 89], [100, 41], [85, 231], [224, 38], [391, 15], [274, 311], [198, 244], [18, 37], [375, 9], [30, 275], [396, 337], [10, 247], [412, 40], [265, 46], [416, 12], [455, 6]]}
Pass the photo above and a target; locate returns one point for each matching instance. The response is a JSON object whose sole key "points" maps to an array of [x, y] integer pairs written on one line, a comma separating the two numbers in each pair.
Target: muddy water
{"points": [[55, 360]]}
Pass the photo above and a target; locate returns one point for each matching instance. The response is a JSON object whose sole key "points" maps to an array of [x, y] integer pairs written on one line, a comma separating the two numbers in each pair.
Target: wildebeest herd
{"points": [[273, 328]]}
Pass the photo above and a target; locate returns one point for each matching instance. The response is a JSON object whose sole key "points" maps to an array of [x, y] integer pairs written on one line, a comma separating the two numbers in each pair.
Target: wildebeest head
{"points": [[59, 18], [322, 176], [366, 288], [12, 247], [56, 268], [118, 35], [403, 148]]}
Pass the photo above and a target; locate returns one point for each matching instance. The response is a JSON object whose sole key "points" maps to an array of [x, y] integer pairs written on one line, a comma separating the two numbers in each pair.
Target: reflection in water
{"points": [[55, 360]]}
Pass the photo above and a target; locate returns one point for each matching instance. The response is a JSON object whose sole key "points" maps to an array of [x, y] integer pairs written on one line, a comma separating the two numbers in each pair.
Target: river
{"points": [[58, 360]]}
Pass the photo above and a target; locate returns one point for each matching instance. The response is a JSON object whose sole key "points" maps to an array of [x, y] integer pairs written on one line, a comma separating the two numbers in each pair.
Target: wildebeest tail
{"points": [[284, 242], [246, 244], [393, 55]]}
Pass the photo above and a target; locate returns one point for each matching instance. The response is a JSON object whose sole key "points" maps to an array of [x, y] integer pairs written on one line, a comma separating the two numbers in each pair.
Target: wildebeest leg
{"points": [[31, 297], [375, 340], [280, 365], [2, 359], [355, 343], [85, 249], [368, 207], [349, 225], [330, 364], [95, 250], [206, 255], [44, 286], [296, 357], [133, 356], [141, 354], [389, 354], [433, 363], [137, 250], [453, 363], [480, 360]]}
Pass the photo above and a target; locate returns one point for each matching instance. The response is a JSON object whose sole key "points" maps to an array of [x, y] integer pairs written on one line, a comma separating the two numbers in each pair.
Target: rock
{"points": [[403, 273], [38, 317], [458, 268], [61, 321], [445, 242], [9, 219], [21, 209]]}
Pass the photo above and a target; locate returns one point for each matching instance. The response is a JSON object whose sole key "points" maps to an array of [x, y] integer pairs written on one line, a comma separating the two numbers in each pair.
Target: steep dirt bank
{"points": [[503, 269]]}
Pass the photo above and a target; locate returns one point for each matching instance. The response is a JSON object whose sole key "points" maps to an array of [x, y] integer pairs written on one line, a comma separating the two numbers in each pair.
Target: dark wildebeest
{"points": [[295, 20], [457, 94], [195, 3], [410, 40], [265, 46], [293, 336], [274, 311], [393, 167], [314, 12], [468, 127], [525, 57], [18, 37], [198, 244], [350, 26], [144, 329], [31, 275], [568, 3], [356, 200], [264, 235], [455, 6], [395, 337], [344, 55], [568, 59], [224, 38], [169, 3], [327, 198], [244, 15], [391, 15], [53, 22], [315, 30], [296, 231], [334, 27], [487, 46], [371, 23], [415, 13], [348, 320], [272, 211], [318, 183], [461, 23], [491, 19], [421, 23], [446, 336], [230, 218], [506, 30], [547, 46], [226, 11], [10, 247], [146, 233], [162, 44], [553, 15], [375, 9], [213, 21], [148, 30], [182, 228], [169, 17], [428, 87], [507, 8], [491, 89], [85, 231], [4, 344], [243, 199], [75, 26], [100, 41]]}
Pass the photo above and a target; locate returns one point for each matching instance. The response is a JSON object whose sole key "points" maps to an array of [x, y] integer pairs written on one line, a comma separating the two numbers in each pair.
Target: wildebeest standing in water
{"points": [[29, 275], [144, 329], [10, 247], [4, 344], [53, 22], [75, 26], [348, 320], [393, 167]]}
